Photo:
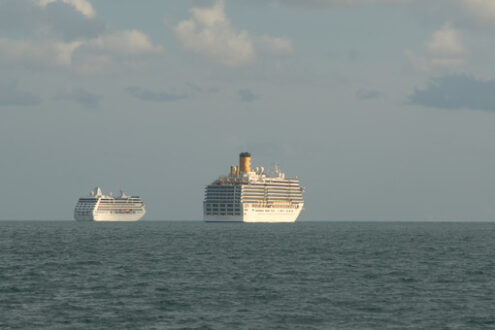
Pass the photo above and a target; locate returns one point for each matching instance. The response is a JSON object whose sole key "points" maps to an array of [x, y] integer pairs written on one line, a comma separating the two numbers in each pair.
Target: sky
{"points": [[384, 109]]}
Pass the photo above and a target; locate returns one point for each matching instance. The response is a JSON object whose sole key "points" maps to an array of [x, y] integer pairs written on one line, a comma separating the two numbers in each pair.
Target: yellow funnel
{"points": [[245, 162]]}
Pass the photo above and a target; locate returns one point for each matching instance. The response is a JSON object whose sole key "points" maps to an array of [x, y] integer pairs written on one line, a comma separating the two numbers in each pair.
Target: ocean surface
{"points": [[193, 275]]}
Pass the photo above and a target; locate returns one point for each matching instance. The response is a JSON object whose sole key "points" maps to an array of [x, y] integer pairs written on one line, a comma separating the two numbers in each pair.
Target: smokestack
{"points": [[232, 171], [245, 162]]}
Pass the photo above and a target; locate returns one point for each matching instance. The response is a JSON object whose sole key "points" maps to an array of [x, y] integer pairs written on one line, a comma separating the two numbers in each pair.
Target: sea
{"points": [[195, 275]]}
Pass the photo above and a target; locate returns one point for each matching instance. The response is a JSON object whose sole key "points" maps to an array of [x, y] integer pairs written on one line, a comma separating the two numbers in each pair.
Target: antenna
{"points": [[122, 193]]}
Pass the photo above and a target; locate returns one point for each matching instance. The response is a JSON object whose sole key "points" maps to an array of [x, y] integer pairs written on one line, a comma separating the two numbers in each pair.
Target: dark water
{"points": [[159, 275]]}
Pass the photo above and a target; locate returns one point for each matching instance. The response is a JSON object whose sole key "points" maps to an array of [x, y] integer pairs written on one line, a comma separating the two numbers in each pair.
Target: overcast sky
{"points": [[385, 109]]}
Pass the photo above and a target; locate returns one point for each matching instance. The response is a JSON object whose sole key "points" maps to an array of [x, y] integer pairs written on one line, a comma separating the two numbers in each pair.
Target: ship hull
{"points": [[110, 217], [259, 215]]}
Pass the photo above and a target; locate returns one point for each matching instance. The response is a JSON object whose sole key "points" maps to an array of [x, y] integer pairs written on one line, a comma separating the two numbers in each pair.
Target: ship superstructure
{"points": [[252, 195], [100, 207]]}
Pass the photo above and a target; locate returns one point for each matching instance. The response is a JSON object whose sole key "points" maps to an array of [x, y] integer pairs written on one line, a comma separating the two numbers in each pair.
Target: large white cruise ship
{"points": [[247, 195], [100, 207]]}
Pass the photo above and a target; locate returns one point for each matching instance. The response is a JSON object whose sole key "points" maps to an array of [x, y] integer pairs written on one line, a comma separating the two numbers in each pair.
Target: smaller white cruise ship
{"points": [[100, 207]]}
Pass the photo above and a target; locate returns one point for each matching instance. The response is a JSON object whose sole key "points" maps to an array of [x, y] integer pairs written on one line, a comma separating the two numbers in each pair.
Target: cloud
{"points": [[247, 95], [81, 96], [83, 6], [65, 34], [444, 50], [131, 42], [211, 33], [10, 94], [149, 95], [446, 46], [58, 20], [459, 91], [37, 53], [480, 11], [85, 57], [112, 51], [368, 94]]}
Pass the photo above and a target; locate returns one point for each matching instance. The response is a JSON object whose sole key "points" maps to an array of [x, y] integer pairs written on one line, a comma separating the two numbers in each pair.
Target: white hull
{"points": [[259, 215], [111, 217]]}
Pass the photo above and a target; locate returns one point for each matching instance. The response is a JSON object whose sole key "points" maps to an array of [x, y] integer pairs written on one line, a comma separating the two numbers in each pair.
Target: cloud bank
{"points": [[459, 91], [153, 96], [66, 34]]}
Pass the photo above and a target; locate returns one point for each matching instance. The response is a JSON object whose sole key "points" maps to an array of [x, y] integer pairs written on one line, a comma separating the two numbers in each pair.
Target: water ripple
{"points": [[158, 275]]}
